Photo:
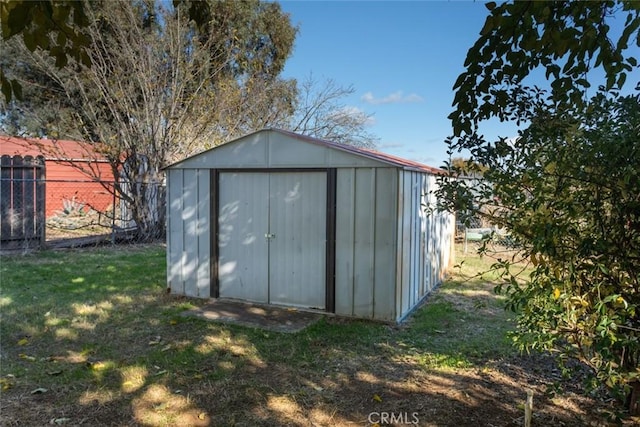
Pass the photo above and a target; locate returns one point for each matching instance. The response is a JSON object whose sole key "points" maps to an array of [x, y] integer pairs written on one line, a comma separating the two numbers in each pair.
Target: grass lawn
{"points": [[92, 338]]}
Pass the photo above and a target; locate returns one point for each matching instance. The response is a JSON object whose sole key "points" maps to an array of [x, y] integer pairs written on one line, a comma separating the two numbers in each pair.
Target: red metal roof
{"points": [[74, 171], [50, 149]]}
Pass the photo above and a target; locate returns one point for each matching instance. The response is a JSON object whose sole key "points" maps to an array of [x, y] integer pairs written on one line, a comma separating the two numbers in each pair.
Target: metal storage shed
{"points": [[279, 218]]}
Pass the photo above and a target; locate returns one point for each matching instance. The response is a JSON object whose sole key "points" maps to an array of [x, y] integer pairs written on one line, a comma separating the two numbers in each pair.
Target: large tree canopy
{"points": [[566, 188], [155, 87]]}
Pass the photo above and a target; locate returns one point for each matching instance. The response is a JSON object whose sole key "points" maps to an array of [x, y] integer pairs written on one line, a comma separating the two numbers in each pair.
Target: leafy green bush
{"points": [[568, 190]]}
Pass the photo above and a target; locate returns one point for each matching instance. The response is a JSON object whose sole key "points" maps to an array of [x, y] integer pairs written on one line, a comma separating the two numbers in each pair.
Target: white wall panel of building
{"points": [[189, 232], [243, 220], [297, 247], [272, 237], [365, 242], [440, 236], [425, 241]]}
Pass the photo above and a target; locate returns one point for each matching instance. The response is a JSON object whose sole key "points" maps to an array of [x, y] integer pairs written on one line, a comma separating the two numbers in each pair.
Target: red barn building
{"points": [[75, 173]]}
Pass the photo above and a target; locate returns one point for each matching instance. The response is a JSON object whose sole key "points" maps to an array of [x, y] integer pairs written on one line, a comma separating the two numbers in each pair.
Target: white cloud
{"points": [[393, 98]]}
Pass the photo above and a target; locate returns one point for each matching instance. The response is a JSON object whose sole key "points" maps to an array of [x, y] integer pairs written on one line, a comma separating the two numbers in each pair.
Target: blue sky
{"points": [[402, 58]]}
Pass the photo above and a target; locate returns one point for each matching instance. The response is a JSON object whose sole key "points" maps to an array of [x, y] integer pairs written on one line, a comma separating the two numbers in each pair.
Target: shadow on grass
{"points": [[93, 339]]}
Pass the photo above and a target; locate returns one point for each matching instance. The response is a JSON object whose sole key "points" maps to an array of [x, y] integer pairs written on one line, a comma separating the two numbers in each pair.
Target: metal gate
{"points": [[22, 201], [272, 237]]}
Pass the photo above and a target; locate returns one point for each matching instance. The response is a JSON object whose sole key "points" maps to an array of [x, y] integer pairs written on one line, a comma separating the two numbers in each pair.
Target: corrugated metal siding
{"points": [[297, 252], [68, 182], [425, 241], [425, 272], [189, 234], [441, 240], [243, 220], [365, 242], [416, 237], [174, 231], [67, 161], [406, 244], [385, 243], [289, 266], [345, 238], [274, 149]]}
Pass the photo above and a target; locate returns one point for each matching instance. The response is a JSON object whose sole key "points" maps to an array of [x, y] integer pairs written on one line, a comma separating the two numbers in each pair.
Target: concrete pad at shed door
{"points": [[268, 317]]}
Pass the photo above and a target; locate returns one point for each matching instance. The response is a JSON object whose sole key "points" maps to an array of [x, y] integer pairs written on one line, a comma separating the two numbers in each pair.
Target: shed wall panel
{"points": [[416, 237], [297, 250], [364, 240], [203, 230], [385, 243], [440, 234], [345, 237], [411, 255], [424, 241], [243, 221], [400, 244], [407, 216], [190, 223], [175, 234], [432, 246], [424, 271]]}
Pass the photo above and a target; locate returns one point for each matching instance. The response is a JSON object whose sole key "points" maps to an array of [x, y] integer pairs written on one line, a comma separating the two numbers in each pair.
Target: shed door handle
{"points": [[269, 236]]}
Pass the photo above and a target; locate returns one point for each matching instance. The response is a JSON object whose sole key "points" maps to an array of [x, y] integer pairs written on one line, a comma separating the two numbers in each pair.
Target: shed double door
{"points": [[272, 237]]}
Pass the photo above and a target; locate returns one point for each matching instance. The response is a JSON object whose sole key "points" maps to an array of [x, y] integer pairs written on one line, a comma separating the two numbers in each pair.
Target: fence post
{"points": [[5, 196], [29, 215], [41, 191], [113, 217], [18, 211]]}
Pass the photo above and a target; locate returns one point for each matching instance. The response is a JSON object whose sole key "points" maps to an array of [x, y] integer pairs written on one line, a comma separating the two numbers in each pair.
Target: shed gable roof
{"points": [[276, 148]]}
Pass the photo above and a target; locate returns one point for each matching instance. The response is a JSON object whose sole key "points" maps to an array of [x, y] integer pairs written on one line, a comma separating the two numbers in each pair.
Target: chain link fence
{"points": [[75, 213], [76, 209]]}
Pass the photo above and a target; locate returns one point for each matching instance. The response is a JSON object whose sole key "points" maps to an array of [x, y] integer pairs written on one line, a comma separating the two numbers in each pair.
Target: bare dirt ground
{"points": [[355, 392]]}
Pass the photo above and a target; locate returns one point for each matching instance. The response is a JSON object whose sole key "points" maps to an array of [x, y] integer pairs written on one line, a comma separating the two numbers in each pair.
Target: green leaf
{"points": [[62, 39], [488, 26], [622, 77], [17, 90], [61, 60], [85, 59], [29, 41], [17, 17], [6, 88]]}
